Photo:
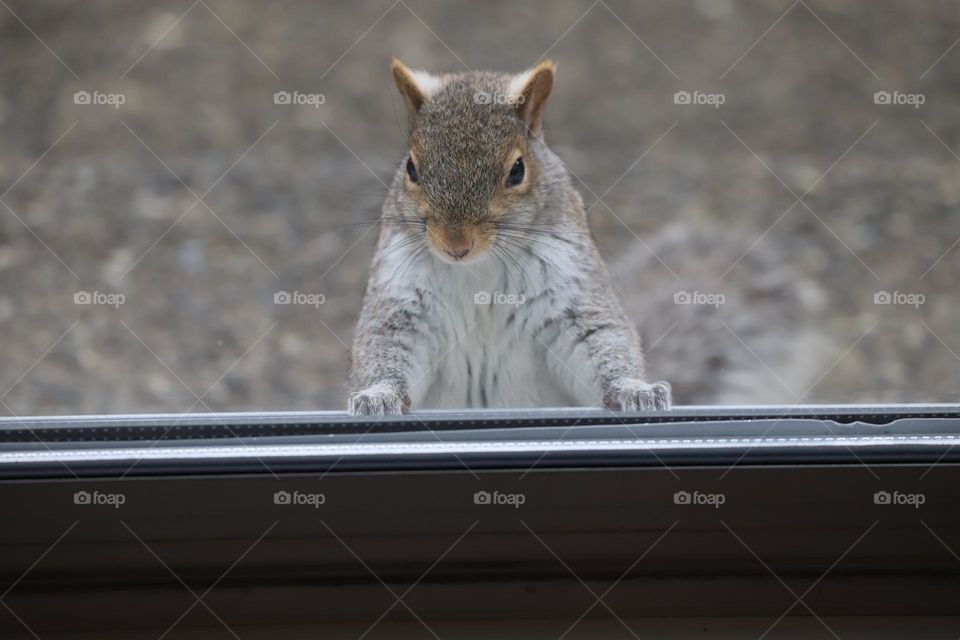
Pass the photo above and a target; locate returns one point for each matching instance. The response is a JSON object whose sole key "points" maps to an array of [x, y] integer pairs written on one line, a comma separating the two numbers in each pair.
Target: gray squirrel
{"points": [[486, 288]]}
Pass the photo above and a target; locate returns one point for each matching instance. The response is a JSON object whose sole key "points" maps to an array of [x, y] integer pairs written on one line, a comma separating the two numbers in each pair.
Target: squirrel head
{"points": [[475, 160]]}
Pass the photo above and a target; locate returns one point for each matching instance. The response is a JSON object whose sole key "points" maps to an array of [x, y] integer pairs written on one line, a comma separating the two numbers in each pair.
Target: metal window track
{"points": [[166, 444]]}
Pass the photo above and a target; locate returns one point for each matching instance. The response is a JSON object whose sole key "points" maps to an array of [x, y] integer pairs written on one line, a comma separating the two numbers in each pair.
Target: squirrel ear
{"points": [[415, 86], [530, 90]]}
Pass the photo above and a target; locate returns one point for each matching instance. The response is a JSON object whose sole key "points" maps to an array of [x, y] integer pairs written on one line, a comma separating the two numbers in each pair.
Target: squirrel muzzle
{"points": [[456, 244]]}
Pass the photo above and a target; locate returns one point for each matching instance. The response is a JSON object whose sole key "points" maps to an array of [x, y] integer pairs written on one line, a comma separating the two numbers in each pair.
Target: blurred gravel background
{"points": [[104, 199]]}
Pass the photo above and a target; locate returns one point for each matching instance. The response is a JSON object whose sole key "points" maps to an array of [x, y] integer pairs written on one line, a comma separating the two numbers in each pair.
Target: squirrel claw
{"points": [[636, 395], [377, 400]]}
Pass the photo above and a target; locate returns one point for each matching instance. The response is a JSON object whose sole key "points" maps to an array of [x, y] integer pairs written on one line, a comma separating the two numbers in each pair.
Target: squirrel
{"points": [[486, 288]]}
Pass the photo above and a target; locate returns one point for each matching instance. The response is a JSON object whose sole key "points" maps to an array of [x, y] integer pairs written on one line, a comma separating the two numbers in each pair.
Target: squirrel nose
{"points": [[458, 254], [458, 251]]}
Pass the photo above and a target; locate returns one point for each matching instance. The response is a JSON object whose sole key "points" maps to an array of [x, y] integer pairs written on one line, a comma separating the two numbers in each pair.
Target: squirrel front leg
{"points": [[389, 356], [610, 346]]}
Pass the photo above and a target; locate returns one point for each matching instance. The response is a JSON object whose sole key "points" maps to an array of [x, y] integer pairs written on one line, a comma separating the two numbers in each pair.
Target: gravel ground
{"points": [[104, 198]]}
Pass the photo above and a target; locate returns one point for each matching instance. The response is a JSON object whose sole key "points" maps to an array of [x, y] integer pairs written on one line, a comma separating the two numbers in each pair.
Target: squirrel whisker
{"points": [[513, 260], [514, 242]]}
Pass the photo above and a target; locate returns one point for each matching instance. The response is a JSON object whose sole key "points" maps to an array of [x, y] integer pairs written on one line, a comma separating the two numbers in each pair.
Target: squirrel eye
{"points": [[412, 170], [516, 173]]}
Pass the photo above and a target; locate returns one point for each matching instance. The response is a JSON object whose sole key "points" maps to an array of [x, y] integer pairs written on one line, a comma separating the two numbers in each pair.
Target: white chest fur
{"points": [[493, 349]]}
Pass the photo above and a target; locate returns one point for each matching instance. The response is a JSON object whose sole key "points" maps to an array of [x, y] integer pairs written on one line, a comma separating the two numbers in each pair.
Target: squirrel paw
{"points": [[377, 400], [631, 394]]}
